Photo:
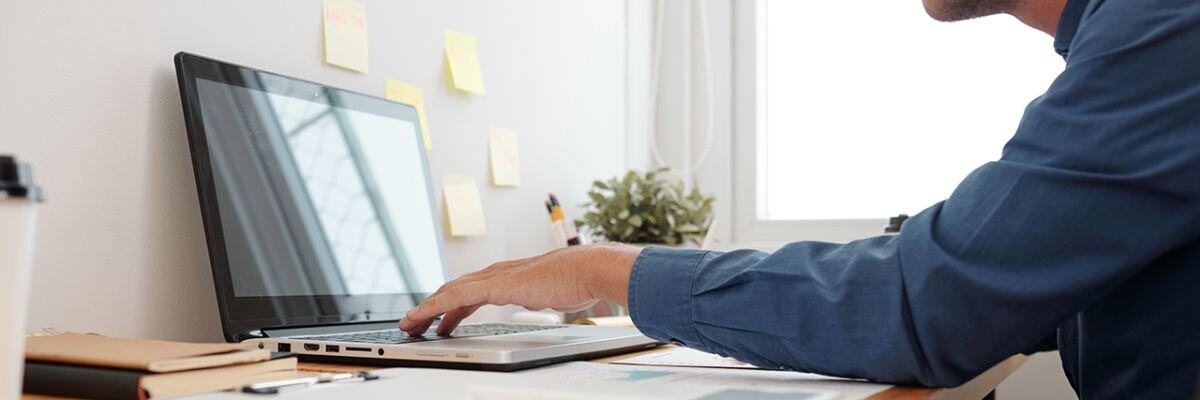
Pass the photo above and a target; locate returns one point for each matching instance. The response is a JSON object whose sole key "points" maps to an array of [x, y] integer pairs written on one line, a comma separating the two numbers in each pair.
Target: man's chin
{"points": [[934, 9], [958, 10]]}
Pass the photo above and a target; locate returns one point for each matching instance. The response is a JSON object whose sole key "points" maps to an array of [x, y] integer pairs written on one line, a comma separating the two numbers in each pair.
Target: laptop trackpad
{"points": [[505, 342]]}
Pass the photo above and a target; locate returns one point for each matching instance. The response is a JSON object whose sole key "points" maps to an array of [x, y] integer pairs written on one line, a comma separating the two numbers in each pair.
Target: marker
{"points": [[568, 226], [560, 235]]}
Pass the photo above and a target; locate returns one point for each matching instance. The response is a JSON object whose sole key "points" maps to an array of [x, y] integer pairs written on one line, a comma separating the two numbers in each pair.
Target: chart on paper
{"points": [[706, 377], [685, 357]]}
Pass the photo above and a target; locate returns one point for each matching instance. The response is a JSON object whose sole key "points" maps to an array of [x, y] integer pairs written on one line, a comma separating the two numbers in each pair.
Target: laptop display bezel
{"points": [[244, 317]]}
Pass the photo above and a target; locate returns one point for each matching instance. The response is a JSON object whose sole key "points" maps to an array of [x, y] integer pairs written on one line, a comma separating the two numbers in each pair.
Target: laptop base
{"points": [[510, 367]]}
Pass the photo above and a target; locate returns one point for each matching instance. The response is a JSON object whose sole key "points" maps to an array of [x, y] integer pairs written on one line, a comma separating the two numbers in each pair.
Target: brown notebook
{"points": [[137, 354], [76, 381]]}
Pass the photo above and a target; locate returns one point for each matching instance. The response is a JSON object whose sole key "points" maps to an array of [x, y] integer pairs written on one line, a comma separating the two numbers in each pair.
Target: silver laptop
{"points": [[323, 229]]}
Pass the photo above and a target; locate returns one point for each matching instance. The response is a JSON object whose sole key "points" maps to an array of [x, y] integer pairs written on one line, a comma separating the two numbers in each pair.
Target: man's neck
{"points": [[1042, 15]]}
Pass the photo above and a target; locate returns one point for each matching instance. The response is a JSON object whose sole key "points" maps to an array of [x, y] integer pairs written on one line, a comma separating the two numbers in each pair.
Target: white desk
{"points": [[449, 384]]}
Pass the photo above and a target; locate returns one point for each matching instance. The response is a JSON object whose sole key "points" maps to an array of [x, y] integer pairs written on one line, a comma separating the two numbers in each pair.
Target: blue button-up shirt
{"points": [[1085, 231]]}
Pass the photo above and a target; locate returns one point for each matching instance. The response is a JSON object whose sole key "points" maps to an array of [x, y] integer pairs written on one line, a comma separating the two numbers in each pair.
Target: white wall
{"points": [[89, 97]]}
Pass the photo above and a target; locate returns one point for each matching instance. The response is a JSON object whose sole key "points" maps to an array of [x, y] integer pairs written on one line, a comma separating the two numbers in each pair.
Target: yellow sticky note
{"points": [[502, 149], [346, 34], [463, 60], [412, 95], [463, 205]]}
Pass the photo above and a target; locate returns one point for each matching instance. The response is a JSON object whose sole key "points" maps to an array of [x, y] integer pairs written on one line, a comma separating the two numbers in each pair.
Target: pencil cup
{"points": [[18, 205]]}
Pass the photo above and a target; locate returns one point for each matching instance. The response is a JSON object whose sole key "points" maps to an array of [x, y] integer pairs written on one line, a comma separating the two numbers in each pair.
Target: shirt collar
{"points": [[1068, 25]]}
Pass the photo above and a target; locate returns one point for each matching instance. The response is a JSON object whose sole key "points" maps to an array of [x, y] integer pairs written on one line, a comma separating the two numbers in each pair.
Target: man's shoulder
{"points": [[1110, 27], [1131, 11]]}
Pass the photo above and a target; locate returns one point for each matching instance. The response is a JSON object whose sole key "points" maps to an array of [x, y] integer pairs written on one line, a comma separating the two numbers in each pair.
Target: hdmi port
{"points": [[366, 349], [312, 346]]}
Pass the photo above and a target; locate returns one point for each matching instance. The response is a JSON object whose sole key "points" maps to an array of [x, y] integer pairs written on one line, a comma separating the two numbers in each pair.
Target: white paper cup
{"points": [[18, 208]]}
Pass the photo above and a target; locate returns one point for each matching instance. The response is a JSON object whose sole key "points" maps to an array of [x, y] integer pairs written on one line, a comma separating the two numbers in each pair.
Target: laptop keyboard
{"points": [[396, 336]]}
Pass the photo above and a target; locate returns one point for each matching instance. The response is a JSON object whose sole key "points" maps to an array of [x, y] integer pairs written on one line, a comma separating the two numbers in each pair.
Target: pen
{"points": [[280, 386], [287, 385], [568, 226], [560, 235]]}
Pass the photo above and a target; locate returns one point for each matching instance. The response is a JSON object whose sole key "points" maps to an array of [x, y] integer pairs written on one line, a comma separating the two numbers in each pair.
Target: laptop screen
{"points": [[317, 201]]}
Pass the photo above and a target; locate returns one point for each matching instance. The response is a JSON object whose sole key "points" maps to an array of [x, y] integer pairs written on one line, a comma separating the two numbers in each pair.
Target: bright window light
{"points": [[873, 109]]}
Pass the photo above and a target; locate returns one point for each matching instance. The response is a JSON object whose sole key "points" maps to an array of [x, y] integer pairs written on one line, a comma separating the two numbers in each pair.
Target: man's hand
{"points": [[568, 279]]}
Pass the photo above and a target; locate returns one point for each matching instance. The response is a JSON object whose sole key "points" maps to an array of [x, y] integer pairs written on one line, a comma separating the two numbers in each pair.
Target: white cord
{"points": [[655, 61], [706, 47], [685, 95], [708, 87]]}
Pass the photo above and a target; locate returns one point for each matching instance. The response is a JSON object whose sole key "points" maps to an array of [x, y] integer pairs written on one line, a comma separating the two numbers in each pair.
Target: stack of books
{"points": [[99, 367]]}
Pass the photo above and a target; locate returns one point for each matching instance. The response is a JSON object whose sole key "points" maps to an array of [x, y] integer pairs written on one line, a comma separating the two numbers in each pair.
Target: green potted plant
{"points": [[647, 209]]}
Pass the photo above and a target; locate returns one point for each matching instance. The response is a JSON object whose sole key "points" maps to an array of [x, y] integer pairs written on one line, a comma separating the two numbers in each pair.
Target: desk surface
{"points": [[975, 389]]}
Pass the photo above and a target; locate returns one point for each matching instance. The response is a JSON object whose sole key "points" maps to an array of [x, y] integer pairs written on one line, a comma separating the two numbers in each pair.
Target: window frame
{"points": [[749, 121]]}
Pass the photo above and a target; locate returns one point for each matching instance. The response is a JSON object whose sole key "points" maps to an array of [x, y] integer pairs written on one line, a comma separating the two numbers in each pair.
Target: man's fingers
{"points": [[454, 317], [415, 327], [451, 298], [465, 294]]}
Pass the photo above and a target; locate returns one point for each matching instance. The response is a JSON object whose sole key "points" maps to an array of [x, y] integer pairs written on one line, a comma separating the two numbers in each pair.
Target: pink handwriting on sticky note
{"points": [[463, 206], [345, 27], [502, 150]]}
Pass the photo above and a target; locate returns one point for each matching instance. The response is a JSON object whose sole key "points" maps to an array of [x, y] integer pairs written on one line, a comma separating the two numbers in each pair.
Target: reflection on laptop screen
{"points": [[317, 199]]}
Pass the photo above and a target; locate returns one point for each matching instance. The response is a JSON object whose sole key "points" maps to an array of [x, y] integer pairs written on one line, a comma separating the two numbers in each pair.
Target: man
{"points": [[1084, 235]]}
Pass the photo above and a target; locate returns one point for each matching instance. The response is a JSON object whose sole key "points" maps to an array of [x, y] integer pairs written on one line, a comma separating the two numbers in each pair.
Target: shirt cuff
{"points": [[660, 294]]}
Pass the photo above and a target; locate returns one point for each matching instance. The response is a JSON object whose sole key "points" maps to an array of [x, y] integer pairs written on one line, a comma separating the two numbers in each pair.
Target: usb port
{"points": [[312, 346], [331, 348], [366, 349], [285, 347]]}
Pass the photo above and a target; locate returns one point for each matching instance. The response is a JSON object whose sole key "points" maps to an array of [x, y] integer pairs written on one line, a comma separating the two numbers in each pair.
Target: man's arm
{"points": [[1102, 178]]}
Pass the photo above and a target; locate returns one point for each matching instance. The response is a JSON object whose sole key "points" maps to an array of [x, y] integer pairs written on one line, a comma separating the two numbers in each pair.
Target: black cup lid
{"points": [[16, 180]]}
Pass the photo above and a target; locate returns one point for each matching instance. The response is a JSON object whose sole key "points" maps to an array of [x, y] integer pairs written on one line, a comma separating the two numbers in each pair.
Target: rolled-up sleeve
{"points": [[1101, 178], [658, 283]]}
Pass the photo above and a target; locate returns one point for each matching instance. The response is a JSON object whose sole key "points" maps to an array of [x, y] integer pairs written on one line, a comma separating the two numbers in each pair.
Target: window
{"points": [[864, 110]]}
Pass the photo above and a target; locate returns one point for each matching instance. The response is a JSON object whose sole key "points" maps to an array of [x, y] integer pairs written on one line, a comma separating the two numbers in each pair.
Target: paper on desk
{"points": [[474, 385], [412, 95], [502, 150], [345, 26], [463, 206], [764, 380], [462, 58], [685, 357]]}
